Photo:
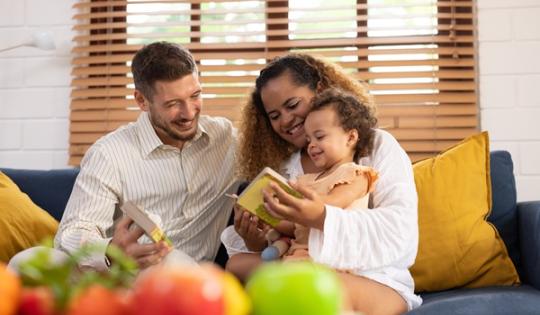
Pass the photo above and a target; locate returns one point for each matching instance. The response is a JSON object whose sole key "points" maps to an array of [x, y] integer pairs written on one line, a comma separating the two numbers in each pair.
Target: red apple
{"points": [[37, 301], [97, 299], [178, 290]]}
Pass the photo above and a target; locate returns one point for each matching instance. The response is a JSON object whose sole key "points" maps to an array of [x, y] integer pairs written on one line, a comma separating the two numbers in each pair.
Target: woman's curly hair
{"points": [[351, 114], [259, 145]]}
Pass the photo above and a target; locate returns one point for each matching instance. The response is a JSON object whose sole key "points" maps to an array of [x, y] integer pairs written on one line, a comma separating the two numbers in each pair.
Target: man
{"points": [[172, 162]]}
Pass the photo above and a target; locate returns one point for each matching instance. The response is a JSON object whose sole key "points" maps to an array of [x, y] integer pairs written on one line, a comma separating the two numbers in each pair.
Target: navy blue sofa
{"points": [[518, 224]]}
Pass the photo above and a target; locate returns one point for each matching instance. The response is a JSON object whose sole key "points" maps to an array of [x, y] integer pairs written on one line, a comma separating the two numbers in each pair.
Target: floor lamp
{"points": [[41, 39]]}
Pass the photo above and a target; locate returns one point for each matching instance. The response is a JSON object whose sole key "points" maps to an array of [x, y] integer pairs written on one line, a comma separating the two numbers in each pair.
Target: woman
{"points": [[374, 247]]}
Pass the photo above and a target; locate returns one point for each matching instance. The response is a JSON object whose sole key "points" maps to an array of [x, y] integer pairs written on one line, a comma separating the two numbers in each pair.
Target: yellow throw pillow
{"points": [[22, 223], [458, 247]]}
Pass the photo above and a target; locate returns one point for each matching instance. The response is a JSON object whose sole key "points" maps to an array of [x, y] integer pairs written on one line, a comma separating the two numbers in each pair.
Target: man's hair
{"points": [[160, 61], [351, 114]]}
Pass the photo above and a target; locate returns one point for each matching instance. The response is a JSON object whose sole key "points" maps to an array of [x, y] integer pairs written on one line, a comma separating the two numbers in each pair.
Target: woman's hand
{"points": [[251, 229], [308, 211]]}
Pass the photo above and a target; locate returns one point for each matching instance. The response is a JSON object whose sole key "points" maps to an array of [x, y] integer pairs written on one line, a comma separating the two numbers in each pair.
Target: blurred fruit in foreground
{"points": [[66, 279], [235, 297], [237, 301], [96, 299], [37, 301], [178, 290], [10, 290], [300, 288]]}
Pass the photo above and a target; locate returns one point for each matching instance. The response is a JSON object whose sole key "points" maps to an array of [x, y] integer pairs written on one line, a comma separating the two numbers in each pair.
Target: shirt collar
{"points": [[150, 141]]}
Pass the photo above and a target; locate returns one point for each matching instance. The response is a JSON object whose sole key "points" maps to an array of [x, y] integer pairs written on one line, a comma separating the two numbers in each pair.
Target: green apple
{"points": [[299, 288]]}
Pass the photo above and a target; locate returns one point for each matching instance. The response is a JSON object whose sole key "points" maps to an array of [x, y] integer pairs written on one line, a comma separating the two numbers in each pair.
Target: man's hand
{"points": [[126, 238], [308, 211], [251, 229]]}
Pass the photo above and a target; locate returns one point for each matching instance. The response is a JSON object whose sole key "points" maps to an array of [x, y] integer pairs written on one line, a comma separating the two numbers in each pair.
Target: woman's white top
{"points": [[379, 244]]}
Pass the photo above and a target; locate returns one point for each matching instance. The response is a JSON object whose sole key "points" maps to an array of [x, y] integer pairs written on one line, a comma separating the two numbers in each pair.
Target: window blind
{"points": [[418, 56]]}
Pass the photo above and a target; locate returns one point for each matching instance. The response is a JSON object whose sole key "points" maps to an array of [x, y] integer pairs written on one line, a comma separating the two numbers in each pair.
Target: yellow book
{"points": [[151, 229], [251, 198]]}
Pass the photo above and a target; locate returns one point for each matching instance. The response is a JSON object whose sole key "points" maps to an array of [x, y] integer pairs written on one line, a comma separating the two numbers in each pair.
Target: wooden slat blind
{"points": [[418, 56]]}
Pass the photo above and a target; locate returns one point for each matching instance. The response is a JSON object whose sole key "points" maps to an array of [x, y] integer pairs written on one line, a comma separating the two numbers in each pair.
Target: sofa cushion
{"points": [[22, 223], [48, 189], [458, 247], [504, 209], [521, 300]]}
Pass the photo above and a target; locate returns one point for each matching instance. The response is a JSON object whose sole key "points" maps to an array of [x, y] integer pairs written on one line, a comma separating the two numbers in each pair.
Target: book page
{"points": [[252, 197]]}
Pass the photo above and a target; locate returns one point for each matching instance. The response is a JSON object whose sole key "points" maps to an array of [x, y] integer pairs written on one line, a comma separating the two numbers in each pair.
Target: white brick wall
{"points": [[509, 69], [34, 85]]}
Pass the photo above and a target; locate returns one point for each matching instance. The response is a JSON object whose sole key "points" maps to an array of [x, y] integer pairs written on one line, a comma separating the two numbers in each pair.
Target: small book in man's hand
{"points": [[151, 229], [251, 198]]}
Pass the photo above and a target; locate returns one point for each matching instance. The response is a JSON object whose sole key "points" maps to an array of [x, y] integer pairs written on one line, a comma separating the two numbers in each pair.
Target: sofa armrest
{"points": [[529, 235]]}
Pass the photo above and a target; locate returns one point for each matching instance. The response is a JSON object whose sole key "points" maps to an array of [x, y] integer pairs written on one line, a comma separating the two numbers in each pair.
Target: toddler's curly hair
{"points": [[351, 114]]}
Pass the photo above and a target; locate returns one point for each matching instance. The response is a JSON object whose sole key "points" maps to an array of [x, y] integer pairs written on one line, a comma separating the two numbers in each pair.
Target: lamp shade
{"points": [[43, 40], [40, 39]]}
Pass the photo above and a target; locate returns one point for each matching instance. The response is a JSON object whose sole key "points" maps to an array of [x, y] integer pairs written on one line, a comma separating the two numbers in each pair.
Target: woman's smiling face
{"points": [[287, 105]]}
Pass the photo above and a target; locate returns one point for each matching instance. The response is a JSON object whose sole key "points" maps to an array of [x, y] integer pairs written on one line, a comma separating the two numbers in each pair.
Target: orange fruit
{"points": [[10, 291], [97, 299], [237, 301], [234, 296]]}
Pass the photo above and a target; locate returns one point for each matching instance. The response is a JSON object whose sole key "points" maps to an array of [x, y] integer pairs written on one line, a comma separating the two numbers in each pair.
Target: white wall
{"points": [[34, 85], [509, 70]]}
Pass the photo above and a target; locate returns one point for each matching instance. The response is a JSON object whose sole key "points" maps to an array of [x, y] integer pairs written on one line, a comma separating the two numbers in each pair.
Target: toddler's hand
{"points": [[308, 211]]}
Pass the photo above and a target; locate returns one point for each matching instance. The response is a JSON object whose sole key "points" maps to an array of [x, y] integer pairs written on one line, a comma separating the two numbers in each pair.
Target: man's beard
{"points": [[161, 125]]}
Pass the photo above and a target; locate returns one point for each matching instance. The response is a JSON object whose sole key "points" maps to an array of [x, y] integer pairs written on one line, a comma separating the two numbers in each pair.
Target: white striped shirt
{"points": [[183, 190]]}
